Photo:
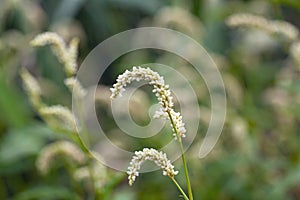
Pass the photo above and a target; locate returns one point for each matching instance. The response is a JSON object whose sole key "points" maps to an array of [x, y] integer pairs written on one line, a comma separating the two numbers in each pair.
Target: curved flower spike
{"points": [[270, 26], [32, 87], [67, 55], [159, 158], [161, 91], [61, 115], [48, 154]]}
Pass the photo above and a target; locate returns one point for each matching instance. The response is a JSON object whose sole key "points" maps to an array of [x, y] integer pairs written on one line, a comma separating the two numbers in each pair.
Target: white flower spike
{"points": [[270, 26], [161, 91], [67, 55], [48, 154], [159, 158], [32, 87]]}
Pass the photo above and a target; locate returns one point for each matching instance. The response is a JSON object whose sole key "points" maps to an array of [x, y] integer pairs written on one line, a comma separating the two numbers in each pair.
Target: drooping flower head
{"points": [[48, 154], [270, 26], [67, 55], [61, 115], [161, 91], [159, 158]]}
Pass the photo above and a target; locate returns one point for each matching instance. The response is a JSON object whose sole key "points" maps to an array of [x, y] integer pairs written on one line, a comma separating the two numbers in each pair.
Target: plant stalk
{"points": [[186, 173], [179, 188]]}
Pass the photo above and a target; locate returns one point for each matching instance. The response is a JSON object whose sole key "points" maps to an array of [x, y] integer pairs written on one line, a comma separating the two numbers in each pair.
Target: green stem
{"points": [[186, 173], [196, 7], [91, 157], [179, 188]]}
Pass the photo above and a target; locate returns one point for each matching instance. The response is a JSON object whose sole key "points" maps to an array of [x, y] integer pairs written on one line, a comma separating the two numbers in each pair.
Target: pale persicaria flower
{"points": [[180, 19], [96, 173], [62, 116], [75, 86], [32, 87], [67, 55], [159, 158], [48, 154], [161, 90], [270, 26]]}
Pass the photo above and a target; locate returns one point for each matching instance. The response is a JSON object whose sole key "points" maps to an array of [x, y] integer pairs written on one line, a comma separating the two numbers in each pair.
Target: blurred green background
{"points": [[258, 154]]}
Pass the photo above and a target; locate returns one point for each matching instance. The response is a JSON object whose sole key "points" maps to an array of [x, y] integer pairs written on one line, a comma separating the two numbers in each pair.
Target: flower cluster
{"points": [[180, 19], [270, 26], [50, 152], [95, 172], [75, 86], [64, 117], [56, 115], [32, 87], [98, 175], [66, 54], [161, 91], [179, 125], [159, 158]]}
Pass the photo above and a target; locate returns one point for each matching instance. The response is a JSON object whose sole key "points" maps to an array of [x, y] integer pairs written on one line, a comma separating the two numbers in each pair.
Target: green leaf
{"points": [[20, 144], [13, 111]]}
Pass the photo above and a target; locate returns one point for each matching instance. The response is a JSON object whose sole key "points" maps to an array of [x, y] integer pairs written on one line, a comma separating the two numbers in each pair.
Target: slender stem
{"points": [[179, 188], [196, 7], [186, 173], [86, 150]]}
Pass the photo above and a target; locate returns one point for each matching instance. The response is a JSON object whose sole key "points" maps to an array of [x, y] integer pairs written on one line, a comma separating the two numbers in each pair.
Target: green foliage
{"points": [[18, 145], [258, 153]]}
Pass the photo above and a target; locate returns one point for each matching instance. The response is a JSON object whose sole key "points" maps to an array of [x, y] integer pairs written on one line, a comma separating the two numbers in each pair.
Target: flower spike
{"points": [[159, 158], [161, 91]]}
